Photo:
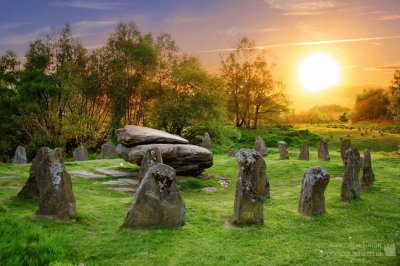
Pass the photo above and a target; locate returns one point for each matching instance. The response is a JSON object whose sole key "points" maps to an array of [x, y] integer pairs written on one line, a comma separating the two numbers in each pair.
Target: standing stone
{"points": [[19, 155], [323, 152], [368, 177], [312, 199], [108, 151], [283, 152], [206, 143], [30, 189], [158, 203], [252, 188], [80, 154], [260, 146], [304, 152], [346, 144], [151, 157], [54, 184], [232, 152], [351, 184]]}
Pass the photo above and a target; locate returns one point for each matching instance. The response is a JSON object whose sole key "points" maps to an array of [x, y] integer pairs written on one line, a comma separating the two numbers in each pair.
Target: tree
{"points": [[253, 93], [372, 104], [394, 96]]}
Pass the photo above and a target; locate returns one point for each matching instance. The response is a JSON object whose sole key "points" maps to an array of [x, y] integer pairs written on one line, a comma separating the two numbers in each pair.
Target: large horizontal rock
{"points": [[185, 159], [135, 135]]}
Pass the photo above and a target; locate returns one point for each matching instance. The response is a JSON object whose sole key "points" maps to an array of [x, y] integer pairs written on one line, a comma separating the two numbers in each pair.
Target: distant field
{"points": [[349, 233]]}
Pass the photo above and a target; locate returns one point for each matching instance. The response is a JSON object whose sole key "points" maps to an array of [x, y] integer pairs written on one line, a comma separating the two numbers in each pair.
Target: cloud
{"points": [[389, 17], [85, 4], [182, 19], [384, 67], [94, 24], [310, 43], [24, 38], [293, 5], [302, 13], [12, 25], [232, 31]]}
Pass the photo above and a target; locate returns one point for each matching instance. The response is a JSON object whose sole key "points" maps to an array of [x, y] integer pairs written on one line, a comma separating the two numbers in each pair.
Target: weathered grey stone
{"points": [[368, 176], [136, 135], [206, 143], [283, 152], [232, 152], [209, 189], [157, 202], [122, 182], [151, 157], [346, 144], [304, 152], [260, 146], [80, 154], [312, 199], [19, 155], [185, 159], [85, 174], [351, 184], [54, 184], [323, 152], [116, 173], [30, 189], [108, 151], [252, 188]]}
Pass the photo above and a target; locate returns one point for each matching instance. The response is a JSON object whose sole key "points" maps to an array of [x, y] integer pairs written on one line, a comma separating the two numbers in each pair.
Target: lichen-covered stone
{"points": [[312, 199], [323, 152], [19, 155], [351, 184], [346, 144], [368, 176], [283, 152], [304, 152], [56, 197], [157, 202], [80, 154], [231, 152], [30, 189], [252, 188], [108, 151], [151, 157], [206, 143], [260, 146]]}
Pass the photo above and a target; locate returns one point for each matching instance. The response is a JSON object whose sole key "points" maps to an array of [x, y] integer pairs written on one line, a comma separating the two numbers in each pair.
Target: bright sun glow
{"points": [[318, 72]]}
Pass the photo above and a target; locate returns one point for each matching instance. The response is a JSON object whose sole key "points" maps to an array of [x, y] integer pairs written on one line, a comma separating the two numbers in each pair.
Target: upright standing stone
{"points": [[108, 151], [283, 152], [206, 143], [304, 152], [232, 152], [30, 189], [158, 203], [351, 184], [260, 146], [80, 154], [252, 188], [312, 199], [19, 155], [368, 177], [346, 144], [323, 152], [151, 157], [54, 184]]}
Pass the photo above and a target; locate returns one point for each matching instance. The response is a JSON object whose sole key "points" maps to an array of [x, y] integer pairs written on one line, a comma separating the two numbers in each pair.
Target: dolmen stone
{"points": [[231, 152], [80, 154], [19, 155], [346, 144], [260, 146], [351, 184], [368, 176], [252, 188], [323, 152], [206, 143], [56, 197], [312, 199], [151, 157], [107, 150], [304, 152], [283, 152], [157, 202], [185, 158], [136, 135]]}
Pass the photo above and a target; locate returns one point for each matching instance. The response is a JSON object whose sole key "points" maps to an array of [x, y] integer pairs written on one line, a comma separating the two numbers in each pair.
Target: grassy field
{"points": [[349, 233]]}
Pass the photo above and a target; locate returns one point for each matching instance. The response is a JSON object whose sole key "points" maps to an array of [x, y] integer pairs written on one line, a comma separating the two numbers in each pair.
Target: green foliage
{"points": [[372, 104], [394, 97]]}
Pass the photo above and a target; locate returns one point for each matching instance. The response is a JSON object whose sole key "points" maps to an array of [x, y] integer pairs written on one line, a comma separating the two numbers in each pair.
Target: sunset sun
{"points": [[318, 71]]}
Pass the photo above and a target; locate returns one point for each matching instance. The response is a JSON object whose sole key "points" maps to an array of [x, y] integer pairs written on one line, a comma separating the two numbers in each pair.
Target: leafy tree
{"points": [[394, 96], [372, 104]]}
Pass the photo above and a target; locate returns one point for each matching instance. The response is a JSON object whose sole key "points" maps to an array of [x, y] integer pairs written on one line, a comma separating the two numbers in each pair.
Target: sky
{"points": [[362, 35]]}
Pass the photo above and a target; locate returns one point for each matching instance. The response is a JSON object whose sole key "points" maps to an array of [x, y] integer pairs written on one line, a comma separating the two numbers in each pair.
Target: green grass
{"points": [[349, 233]]}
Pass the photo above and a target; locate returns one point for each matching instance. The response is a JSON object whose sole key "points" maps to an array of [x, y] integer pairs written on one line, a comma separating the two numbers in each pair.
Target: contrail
{"points": [[308, 43]]}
